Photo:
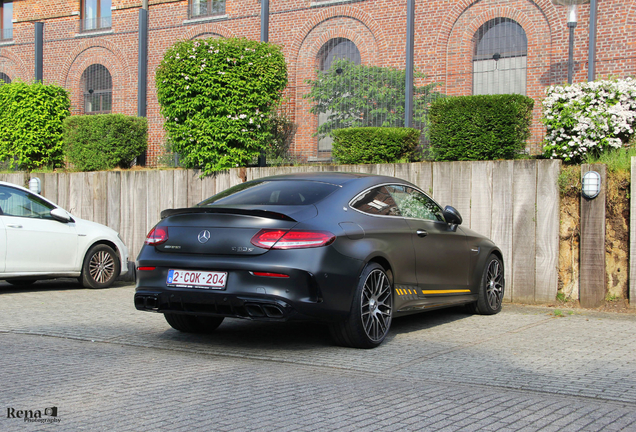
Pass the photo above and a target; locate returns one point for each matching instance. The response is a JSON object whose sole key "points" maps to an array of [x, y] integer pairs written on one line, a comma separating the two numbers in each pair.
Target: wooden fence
{"points": [[515, 203]]}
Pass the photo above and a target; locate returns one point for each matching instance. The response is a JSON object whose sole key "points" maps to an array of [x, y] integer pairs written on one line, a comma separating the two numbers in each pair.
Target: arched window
{"points": [[4, 79], [337, 48], [97, 85], [500, 58]]}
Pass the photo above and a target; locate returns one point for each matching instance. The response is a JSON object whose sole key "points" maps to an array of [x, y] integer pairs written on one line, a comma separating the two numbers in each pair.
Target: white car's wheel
{"points": [[101, 267]]}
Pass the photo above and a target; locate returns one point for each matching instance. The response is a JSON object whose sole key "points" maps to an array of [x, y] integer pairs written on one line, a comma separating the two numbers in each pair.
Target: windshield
{"points": [[278, 192]]}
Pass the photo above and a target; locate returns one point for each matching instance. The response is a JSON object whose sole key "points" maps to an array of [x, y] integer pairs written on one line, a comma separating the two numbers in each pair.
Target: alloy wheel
{"points": [[376, 305], [494, 284], [102, 266]]}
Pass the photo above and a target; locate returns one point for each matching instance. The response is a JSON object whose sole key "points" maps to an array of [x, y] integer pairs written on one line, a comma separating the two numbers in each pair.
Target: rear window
{"points": [[279, 192]]}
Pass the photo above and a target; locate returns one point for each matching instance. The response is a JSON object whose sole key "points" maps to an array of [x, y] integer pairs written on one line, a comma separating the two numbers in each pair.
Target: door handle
{"points": [[421, 233], [14, 226]]}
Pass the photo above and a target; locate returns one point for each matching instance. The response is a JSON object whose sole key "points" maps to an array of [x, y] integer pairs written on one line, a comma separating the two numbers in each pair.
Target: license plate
{"points": [[196, 279]]}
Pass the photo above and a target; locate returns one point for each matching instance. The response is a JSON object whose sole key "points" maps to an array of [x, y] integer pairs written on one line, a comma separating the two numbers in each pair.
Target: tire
{"points": [[491, 288], [193, 323], [21, 282], [101, 267], [371, 312]]}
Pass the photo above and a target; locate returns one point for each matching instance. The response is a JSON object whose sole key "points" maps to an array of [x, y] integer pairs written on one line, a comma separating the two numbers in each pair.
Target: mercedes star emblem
{"points": [[204, 236]]}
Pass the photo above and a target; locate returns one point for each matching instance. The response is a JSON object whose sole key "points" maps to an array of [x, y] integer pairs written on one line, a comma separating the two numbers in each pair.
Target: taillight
{"points": [[282, 239], [146, 268], [157, 236]]}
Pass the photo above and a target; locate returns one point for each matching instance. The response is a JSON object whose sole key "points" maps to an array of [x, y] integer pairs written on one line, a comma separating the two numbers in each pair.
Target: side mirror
{"points": [[452, 216], [61, 215]]}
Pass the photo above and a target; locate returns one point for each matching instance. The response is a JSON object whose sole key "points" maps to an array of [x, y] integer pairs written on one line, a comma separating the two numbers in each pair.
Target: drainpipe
{"points": [[142, 69], [262, 158], [410, 24], [591, 70], [39, 51]]}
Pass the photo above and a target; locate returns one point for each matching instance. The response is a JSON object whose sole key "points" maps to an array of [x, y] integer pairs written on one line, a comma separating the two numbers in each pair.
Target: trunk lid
{"points": [[225, 231]]}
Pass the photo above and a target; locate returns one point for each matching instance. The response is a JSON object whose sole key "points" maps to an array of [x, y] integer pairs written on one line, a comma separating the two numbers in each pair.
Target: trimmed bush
{"points": [[485, 127], [216, 96], [104, 141], [31, 117], [371, 145]]}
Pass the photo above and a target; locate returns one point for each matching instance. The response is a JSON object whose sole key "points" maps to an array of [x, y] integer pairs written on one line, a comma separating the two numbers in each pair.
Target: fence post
{"points": [[592, 261]]}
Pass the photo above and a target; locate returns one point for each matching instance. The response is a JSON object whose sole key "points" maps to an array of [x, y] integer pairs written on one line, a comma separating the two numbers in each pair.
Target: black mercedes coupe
{"points": [[351, 250]]}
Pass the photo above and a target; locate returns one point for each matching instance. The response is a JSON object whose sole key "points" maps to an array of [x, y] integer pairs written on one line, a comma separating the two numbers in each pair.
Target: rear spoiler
{"points": [[248, 212]]}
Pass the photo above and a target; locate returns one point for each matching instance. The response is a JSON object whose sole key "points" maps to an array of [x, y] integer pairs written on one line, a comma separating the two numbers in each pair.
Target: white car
{"points": [[39, 240]]}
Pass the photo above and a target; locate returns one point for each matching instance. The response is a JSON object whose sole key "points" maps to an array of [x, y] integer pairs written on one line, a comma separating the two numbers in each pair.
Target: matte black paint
{"points": [[321, 280]]}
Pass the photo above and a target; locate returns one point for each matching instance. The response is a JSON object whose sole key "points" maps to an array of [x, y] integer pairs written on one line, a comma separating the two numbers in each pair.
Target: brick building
{"points": [[90, 47]]}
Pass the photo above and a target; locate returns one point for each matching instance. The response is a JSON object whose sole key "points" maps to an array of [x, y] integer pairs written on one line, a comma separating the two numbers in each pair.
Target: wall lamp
{"points": [[591, 184]]}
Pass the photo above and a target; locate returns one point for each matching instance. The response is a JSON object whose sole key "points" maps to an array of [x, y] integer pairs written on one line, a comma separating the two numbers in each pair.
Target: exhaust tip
{"points": [[273, 311], [254, 311]]}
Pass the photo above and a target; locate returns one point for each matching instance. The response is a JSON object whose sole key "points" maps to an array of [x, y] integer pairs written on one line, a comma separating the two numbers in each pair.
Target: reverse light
{"points": [[282, 239], [157, 236]]}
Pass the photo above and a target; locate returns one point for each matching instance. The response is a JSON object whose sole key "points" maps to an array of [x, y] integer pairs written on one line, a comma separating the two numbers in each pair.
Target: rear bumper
{"points": [[320, 285], [259, 308]]}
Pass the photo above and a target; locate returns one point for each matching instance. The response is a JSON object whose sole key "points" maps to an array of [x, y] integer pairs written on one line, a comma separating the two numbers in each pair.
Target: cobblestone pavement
{"points": [[106, 366]]}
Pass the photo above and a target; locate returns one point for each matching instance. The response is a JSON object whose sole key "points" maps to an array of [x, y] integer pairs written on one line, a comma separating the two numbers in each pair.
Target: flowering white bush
{"points": [[588, 118]]}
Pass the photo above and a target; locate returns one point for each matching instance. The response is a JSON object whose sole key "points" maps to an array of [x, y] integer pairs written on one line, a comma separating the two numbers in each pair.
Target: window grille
{"points": [[96, 15], [500, 58], [6, 19], [338, 48], [202, 8], [4, 79], [97, 85]]}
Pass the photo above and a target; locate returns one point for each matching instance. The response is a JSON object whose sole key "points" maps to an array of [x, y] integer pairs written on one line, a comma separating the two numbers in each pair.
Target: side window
{"points": [[377, 201], [414, 204], [15, 202]]}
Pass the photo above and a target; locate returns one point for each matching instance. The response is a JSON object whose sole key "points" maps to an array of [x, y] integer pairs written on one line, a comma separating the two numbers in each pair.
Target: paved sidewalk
{"points": [[106, 366]]}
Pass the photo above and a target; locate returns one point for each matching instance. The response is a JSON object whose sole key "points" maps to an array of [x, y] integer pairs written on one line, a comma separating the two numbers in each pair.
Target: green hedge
{"points": [[370, 145], [31, 117], [485, 127], [217, 96], [104, 141]]}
